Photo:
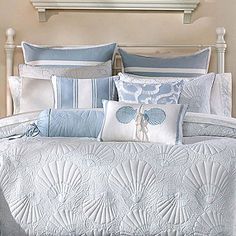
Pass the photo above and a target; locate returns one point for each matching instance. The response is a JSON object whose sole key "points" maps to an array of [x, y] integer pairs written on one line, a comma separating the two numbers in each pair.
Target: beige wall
{"points": [[92, 27]]}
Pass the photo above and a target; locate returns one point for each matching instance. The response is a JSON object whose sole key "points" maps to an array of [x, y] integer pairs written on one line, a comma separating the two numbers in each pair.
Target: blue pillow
{"points": [[70, 123], [163, 93], [79, 56], [184, 66], [82, 93]]}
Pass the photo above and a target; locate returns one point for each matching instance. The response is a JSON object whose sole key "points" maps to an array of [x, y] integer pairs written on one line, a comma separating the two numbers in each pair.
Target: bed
{"points": [[81, 186]]}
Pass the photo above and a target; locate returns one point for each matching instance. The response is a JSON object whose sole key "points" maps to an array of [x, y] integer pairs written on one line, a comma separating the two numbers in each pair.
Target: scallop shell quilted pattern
{"points": [[207, 180], [4, 176], [135, 223], [209, 224], [60, 177], [171, 155], [206, 149], [60, 149], [63, 222], [174, 210], [91, 155], [25, 210], [102, 232], [135, 177], [100, 210], [131, 148], [170, 233]]}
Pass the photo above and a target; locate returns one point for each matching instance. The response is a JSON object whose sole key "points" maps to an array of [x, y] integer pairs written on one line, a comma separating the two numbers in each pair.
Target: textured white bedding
{"points": [[69, 186]]}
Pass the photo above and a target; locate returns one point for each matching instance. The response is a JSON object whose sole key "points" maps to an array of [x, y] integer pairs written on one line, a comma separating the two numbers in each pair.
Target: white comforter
{"points": [[69, 186]]}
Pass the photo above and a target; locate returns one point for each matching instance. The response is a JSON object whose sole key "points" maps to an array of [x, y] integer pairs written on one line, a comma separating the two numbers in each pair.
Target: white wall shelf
{"points": [[185, 6]]}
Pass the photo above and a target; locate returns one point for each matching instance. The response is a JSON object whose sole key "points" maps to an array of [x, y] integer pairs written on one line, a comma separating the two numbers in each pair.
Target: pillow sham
{"points": [[45, 72], [79, 56], [36, 94], [196, 91], [162, 93], [82, 93], [140, 122], [221, 95], [184, 66], [82, 123], [27, 94]]}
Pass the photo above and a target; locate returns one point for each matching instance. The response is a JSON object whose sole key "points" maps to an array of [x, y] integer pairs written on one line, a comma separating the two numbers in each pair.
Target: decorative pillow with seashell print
{"points": [[143, 122]]}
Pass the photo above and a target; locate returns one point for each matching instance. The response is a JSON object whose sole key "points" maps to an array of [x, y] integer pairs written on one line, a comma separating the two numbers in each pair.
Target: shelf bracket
{"points": [[187, 18], [42, 15]]}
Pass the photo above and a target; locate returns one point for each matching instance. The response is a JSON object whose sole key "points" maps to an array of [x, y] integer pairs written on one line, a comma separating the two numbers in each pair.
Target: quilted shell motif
{"points": [[95, 188]]}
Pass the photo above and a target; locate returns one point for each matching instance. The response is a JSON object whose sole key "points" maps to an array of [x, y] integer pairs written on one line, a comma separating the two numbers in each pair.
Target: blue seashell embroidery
{"points": [[125, 114], [155, 116]]}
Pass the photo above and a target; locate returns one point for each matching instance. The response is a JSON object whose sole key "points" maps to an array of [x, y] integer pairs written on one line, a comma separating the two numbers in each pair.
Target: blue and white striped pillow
{"points": [[77, 56], [82, 93], [184, 66]]}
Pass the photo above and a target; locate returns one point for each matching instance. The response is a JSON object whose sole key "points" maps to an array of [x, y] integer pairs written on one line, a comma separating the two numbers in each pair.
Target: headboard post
{"points": [[220, 49], [9, 49]]}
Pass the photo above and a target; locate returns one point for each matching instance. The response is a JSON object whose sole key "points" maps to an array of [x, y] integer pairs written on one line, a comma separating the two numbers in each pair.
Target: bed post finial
{"points": [[9, 49], [220, 49]]}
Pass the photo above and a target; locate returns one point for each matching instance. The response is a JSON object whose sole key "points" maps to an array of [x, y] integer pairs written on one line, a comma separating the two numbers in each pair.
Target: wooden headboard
{"points": [[219, 46]]}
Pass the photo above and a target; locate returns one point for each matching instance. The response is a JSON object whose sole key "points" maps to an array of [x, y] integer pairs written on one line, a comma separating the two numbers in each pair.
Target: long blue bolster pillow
{"points": [[70, 123]]}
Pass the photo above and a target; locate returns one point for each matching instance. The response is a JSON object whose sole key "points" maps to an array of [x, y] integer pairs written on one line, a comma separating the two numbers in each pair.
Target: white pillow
{"points": [[30, 94], [45, 73], [143, 122], [221, 93]]}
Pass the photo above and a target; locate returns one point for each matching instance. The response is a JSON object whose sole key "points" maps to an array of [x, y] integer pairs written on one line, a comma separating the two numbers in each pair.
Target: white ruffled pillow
{"points": [[143, 122]]}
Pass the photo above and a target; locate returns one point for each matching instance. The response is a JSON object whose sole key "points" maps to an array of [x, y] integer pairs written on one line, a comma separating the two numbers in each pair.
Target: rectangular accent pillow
{"points": [[45, 72], [143, 122], [82, 93], [80, 56], [82, 123], [151, 93], [196, 91], [183, 66]]}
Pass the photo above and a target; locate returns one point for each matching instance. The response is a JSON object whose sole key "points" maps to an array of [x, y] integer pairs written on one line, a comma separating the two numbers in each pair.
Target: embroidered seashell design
{"points": [[132, 148], [174, 209], [206, 149], [206, 180], [59, 148], [100, 210], [134, 177], [209, 224], [17, 153], [126, 114], [155, 116], [25, 210], [102, 232], [4, 176], [136, 223], [192, 97], [170, 233], [171, 155], [60, 177], [63, 222], [92, 155]]}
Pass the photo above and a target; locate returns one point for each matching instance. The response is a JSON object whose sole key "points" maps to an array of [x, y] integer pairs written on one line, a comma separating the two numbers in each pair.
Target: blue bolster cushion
{"points": [[70, 123]]}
